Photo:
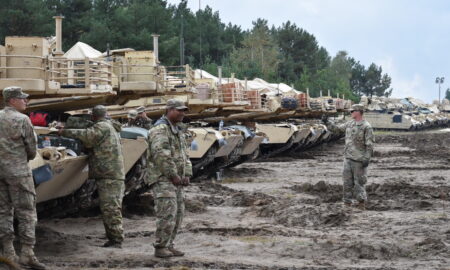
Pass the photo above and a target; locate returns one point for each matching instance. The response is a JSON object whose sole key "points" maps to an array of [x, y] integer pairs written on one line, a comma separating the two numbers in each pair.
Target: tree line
{"points": [[286, 53]]}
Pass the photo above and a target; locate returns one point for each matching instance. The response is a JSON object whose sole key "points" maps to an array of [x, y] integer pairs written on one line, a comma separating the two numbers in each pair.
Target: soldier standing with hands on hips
{"points": [[359, 141], [169, 170], [18, 145]]}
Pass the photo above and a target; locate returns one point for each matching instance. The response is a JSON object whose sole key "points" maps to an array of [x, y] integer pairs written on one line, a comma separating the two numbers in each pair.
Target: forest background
{"points": [[285, 53]]}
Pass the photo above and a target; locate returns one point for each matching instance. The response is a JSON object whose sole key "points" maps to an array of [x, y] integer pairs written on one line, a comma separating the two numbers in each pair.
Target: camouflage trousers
{"points": [[18, 198], [169, 209], [110, 192], [354, 178]]}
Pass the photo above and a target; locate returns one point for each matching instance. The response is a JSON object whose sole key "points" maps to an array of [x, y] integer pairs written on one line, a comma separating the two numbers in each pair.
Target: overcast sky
{"points": [[409, 39]]}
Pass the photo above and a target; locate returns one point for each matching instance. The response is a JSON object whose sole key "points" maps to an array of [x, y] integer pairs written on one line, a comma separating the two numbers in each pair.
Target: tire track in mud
{"points": [[382, 197], [185, 264]]}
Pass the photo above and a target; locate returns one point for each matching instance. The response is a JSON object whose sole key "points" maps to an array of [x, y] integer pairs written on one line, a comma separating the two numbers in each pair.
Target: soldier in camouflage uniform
{"points": [[17, 193], [106, 166], [169, 170], [142, 120], [138, 118], [359, 141]]}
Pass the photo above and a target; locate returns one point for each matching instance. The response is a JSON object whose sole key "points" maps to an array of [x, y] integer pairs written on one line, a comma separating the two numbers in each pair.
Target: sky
{"points": [[409, 39]]}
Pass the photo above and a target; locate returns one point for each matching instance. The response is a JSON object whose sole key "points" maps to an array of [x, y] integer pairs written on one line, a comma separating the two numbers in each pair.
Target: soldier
{"points": [[107, 168], [132, 114], [17, 193], [169, 170], [142, 120], [358, 151], [138, 118]]}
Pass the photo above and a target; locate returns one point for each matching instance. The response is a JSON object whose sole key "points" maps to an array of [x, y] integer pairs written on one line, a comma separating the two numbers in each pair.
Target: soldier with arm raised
{"points": [[106, 166], [359, 142], [142, 120]]}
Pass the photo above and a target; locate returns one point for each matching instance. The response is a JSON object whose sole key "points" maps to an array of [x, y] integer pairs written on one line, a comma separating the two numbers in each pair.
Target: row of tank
{"points": [[70, 190], [61, 83], [407, 120], [404, 113]]}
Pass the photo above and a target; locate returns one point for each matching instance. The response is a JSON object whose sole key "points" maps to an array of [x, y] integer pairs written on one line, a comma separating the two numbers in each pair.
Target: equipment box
{"points": [[73, 144]]}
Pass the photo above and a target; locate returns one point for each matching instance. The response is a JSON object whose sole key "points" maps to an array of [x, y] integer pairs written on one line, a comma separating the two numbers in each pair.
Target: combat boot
{"points": [[113, 244], [28, 260], [8, 251], [163, 253], [347, 204], [175, 252], [361, 205]]}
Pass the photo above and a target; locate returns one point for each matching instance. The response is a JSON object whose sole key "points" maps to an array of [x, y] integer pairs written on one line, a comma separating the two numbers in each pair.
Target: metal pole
{"points": [[58, 30], [155, 47], [439, 94], [182, 42]]}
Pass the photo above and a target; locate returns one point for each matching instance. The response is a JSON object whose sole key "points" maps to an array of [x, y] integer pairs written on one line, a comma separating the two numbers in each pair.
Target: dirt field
{"points": [[286, 213]]}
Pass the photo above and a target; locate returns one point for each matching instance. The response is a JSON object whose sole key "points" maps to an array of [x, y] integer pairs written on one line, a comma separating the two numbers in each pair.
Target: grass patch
{"points": [[231, 180], [302, 243], [255, 239]]}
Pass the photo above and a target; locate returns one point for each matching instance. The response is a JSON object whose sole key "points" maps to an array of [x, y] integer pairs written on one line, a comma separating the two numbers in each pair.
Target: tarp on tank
{"points": [[82, 50], [201, 74]]}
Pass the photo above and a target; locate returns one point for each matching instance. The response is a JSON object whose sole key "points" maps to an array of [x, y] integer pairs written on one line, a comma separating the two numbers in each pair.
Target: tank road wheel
{"points": [[234, 157], [271, 152], [135, 178], [200, 165], [84, 198], [254, 155]]}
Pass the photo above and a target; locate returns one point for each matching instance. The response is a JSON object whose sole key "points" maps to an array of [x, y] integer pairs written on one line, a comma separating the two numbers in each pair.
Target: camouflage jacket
{"points": [[143, 122], [18, 143], [359, 139], [167, 152], [140, 122], [106, 159]]}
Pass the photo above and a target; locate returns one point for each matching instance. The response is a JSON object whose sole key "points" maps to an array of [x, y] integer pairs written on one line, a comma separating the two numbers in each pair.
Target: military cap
{"points": [[140, 109], [176, 104], [13, 92], [132, 114], [99, 110], [357, 107]]}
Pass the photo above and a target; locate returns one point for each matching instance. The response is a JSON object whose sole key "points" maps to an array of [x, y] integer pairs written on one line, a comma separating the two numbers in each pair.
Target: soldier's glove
{"points": [[324, 119], [176, 180], [186, 181], [365, 163]]}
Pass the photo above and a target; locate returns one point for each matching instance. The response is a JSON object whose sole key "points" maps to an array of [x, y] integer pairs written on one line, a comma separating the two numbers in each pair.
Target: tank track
{"points": [[200, 166], [273, 151]]}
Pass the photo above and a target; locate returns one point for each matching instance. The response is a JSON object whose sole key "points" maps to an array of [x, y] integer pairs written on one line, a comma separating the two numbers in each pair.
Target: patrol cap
{"points": [[99, 111], [176, 104], [140, 109], [132, 114], [357, 107], [13, 92]]}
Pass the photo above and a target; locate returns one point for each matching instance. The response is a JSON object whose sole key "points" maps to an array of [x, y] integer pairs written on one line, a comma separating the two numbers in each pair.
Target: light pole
{"points": [[439, 81]]}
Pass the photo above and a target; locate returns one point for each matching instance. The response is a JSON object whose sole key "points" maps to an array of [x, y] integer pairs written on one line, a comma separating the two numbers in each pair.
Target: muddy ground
{"points": [[286, 213]]}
